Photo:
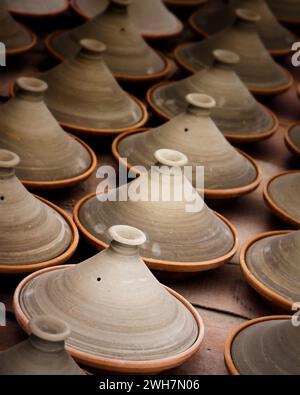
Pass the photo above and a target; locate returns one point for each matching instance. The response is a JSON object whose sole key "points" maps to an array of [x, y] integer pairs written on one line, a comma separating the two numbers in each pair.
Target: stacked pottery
{"points": [[238, 115], [43, 353], [121, 318], [128, 56], [287, 11], [37, 8], [227, 172], [50, 158], [256, 68], [34, 233]]}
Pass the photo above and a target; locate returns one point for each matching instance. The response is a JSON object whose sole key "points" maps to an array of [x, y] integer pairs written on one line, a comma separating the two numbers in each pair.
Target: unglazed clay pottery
{"points": [[34, 233], [277, 39], [282, 196], [227, 172], [183, 234], [50, 158], [121, 318], [287, 11], [43, 353], [264, 346], [152, 18], [237, 113], [292, 138], [128, 56], [84, 96], [270, 263], [256, 68], [37, 8]]}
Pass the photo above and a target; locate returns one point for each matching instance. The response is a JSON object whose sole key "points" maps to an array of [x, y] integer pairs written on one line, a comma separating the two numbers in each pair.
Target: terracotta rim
{"points": [[277, 210], [41, 15], [122, 77], [229, 342], [116, 364], [156, 264], [255, 90], [288, 141], [19, 269], [190, 4], [209, 193], [234, 138], [266, 292], [17, 51]]}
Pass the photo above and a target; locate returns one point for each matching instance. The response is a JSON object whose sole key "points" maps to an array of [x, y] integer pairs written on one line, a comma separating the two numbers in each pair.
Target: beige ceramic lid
{"points": [[115, 307], [37, 7], [31, 231], [43, 353], [84, 95], [292, 138], [256, 68], [237, 113], [195, 134], [27, 127], [286, 10], [128, 55]]}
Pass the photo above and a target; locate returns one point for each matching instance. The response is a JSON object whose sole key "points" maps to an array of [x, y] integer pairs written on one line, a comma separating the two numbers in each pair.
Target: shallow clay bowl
{"points": [[292, 138]]}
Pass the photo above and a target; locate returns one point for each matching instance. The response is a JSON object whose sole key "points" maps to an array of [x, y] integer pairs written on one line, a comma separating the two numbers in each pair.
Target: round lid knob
{"points": [[171, 158], [50, 329], [225, 57], [200, 104], [31, 88], [91, 48], [8, 163], [247, 16], [120, 5], [127, 235]]}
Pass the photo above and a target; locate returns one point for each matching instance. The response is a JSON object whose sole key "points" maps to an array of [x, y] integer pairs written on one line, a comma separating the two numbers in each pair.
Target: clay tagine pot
{"points": [[227, 172], [84, 96], [37, 8], [287, 11], [34, 233], [270, 264], [292, 138], [257, 69], [264, 346], [50, 158], [282, 196], [43, 353], [121, 318], [184, 235], [152, 18], [237, 113], [128, 55], [277, 39]]}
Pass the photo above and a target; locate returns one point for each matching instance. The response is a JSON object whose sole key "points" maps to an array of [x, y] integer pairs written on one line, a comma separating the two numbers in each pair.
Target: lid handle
{"points": [[120, 5], [127, 235], [247, 16], [200, 104], [8, 163], [224, 57], [31, 88], [92, 49]]}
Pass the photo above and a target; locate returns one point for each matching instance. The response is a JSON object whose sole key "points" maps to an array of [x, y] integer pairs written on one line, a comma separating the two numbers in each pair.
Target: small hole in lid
{"points": [[186, 129], [123, 29], [2, 198], [99, 279]]}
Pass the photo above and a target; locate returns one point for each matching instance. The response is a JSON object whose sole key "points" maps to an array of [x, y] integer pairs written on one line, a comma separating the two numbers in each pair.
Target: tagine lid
{"points": [[237, 113], [226, 171], [37, 8], [128, 55], [42, 353], [286, 11], [265, 346], [257, 69], [34, 233], [49, 156], [292, 138], [83, 94], [282, 195]]}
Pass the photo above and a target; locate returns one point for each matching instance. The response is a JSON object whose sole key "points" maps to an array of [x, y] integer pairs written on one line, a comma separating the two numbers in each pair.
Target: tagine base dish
{"points": [[290, 139]]}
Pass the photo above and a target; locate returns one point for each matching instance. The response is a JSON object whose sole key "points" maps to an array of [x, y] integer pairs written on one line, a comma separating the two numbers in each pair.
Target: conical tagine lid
{"points": [[227, 173], [271, 264], [292, 138], [286, 10], [277, 39], [128, 56], [120, 316], [31, 231], [49, 156], [183, 234], [282, 195], [83, 94], [37, 8], [265, 346], [256, 68], [43, 353], [238, 115]]}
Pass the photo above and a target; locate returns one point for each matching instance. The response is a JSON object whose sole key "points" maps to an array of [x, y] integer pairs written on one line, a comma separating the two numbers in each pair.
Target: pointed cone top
{"points": [[286, 11]]}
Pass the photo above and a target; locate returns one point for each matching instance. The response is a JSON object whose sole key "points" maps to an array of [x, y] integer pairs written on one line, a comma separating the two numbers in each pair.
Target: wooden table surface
{"points": [[221, 296]]}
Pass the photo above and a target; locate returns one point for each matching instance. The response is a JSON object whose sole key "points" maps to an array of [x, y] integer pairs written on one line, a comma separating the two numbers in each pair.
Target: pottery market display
{"points": [[152, 18], [292, 138], [264, 346], [227, 172], [43, 353], [37, 8], [128, 56], [256, 68], [270, 264], [84, 96], [183, 234], [50, 158], [237, 113], [282, 196], [287, 11], [121, 318], [34, 233], [277, 39]]}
